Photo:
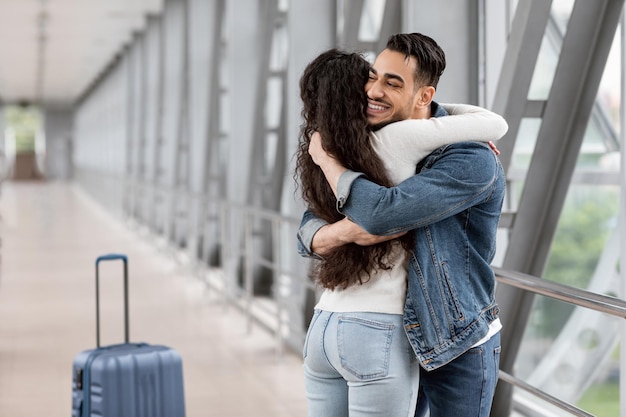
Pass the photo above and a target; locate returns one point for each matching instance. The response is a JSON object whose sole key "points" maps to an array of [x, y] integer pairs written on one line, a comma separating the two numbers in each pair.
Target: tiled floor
{"points": [[51, 234]]}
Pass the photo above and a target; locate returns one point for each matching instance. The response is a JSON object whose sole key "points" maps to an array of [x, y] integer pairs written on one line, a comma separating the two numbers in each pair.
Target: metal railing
{"points": [[571, 295], [598, 302], [236, 232]]}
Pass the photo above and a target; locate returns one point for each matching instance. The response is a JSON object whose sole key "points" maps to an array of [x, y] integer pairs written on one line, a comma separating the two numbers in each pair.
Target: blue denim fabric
{"points": [[453, 207], [359, 364], [464, 387]]}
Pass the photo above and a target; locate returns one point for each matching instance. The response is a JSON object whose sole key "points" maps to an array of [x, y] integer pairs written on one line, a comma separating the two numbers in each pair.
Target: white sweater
{"points": [[401, 146]]}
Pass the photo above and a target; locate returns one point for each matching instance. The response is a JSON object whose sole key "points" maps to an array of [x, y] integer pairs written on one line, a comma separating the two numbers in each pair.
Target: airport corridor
{"points": [[51, 235]]}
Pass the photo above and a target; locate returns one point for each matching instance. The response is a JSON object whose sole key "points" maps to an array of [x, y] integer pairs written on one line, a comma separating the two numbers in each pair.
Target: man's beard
{"points": [[380, 125]]}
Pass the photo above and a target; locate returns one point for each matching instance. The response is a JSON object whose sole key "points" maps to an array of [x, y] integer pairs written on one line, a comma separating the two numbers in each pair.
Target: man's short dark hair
{"points": [[431, 60]]}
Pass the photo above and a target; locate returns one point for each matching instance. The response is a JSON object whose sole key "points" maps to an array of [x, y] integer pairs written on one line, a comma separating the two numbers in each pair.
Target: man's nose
{"points": [[374, 91]]}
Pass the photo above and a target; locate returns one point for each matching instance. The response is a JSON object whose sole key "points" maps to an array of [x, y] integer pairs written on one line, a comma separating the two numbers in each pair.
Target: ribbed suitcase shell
{"points": [[128, 380]]}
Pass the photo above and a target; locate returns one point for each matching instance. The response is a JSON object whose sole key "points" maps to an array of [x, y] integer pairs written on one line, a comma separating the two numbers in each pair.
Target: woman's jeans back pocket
{"points": [[364, 347]]}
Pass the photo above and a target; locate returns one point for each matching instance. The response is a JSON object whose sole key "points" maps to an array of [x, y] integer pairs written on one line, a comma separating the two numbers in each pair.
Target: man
{"points": [[452, 206]]}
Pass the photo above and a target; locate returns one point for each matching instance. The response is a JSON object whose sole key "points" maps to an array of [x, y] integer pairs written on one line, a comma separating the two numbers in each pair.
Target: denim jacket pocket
{"points": [[451, 298]]}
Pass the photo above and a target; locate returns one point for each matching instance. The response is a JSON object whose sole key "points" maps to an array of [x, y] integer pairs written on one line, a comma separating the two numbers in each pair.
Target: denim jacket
{"points": [[453, 207]]}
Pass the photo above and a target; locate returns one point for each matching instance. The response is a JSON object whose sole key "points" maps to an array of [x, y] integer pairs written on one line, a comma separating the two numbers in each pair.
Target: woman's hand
{"points": [[494, 148], [316, 150], [331, 168]]}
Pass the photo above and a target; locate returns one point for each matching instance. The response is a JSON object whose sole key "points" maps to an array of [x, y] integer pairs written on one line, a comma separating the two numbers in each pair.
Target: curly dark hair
{"points": [[332, 89]]}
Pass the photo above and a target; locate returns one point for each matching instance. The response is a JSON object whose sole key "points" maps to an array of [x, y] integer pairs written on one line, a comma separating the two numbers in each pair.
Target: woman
{"points": [[357, 359]]}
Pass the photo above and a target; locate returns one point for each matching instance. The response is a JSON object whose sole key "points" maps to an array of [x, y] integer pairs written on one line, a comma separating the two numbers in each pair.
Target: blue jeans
{"points": [[359, 364], [464, 387]]}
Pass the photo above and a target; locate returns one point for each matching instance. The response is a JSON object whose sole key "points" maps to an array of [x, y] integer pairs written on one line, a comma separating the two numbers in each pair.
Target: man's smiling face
{"points": [[391, 89]]}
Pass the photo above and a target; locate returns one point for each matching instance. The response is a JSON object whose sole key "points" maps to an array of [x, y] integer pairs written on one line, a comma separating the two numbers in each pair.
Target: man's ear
{"points": [[425, 95]]}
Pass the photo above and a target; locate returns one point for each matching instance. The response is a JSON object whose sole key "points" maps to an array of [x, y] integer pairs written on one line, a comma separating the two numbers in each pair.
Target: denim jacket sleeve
{"points": [[453, 178], [309, 225]]}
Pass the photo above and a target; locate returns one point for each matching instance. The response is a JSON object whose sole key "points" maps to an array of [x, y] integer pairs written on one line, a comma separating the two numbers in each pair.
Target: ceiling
{"points": [[52, 50]]}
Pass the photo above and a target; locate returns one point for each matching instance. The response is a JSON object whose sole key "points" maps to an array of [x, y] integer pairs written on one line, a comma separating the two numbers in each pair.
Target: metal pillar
{"points": [[622, 214], [130, 62], [264, 190], [511, 98], [459, 82], [156, 205], [214, 173], [141, 92], [352, 16], [179, 201], [269, 140]]}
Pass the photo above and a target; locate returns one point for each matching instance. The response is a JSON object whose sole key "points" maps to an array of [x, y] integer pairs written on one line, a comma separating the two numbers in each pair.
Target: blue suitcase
{"points": [[128, 379]]}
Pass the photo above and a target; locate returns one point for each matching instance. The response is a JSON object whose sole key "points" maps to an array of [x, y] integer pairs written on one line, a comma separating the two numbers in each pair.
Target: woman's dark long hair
{"points": [[332, 89]]}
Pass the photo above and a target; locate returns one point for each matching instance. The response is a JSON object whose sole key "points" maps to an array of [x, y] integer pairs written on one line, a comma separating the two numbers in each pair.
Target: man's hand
{"points": [[343, 232]]}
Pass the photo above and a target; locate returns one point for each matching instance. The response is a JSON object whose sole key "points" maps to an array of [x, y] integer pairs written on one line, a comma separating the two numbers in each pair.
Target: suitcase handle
{"points": [[112, 257]]}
